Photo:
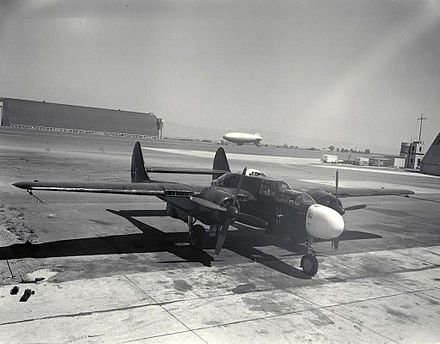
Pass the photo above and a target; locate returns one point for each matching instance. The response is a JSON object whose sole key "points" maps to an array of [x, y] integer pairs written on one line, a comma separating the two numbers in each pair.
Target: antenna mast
{"points": [[421, 119]]}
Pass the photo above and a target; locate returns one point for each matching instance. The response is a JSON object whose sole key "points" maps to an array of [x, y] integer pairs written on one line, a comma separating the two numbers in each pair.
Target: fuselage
{"points": [[241, 138], [283, 208]]}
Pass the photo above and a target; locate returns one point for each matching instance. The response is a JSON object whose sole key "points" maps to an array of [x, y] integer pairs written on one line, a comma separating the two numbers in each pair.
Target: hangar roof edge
{"points": [[3, 99]]}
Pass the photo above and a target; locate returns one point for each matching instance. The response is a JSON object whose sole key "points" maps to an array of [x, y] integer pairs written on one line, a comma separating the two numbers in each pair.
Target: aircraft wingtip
{"points": [[21, 185]]}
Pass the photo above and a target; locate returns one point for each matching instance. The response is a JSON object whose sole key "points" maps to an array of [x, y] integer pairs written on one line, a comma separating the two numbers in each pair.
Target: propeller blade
{"points": [[207, 204], [251, 220], [337, 187], [222, 237], [240, 182], [356, 207]]}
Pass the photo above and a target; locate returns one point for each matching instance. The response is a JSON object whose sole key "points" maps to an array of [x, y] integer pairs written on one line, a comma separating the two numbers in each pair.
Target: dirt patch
{"points": [[14, 227]]}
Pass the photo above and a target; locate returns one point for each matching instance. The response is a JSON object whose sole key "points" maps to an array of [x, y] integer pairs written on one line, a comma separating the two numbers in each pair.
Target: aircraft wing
{"points": [[358, 192], [146, 189]]}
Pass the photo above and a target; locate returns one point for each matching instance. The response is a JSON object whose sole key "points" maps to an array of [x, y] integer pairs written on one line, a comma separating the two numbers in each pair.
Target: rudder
{"points": [[220, 162], [138, 173]]}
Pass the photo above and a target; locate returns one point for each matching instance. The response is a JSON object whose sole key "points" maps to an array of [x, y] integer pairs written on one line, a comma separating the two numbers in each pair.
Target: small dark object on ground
{"points": [[14, 290], [27, 294], [26, 279]]}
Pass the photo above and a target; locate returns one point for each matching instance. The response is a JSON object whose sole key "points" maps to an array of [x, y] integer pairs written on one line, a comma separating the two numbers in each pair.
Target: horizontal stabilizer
{"points": [[182, 170]]}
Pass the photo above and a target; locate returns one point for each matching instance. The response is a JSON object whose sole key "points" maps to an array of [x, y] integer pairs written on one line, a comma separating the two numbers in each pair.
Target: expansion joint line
{"points": [[329, 308], [161, 306]]}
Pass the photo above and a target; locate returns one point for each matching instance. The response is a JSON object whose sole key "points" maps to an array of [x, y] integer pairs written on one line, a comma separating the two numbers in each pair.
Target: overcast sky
{"points": [[354, 71]]}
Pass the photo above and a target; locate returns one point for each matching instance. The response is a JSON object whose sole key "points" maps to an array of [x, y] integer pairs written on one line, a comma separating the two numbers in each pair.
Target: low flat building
{"points": [[399, 161], [379, 161], [362, 161]]}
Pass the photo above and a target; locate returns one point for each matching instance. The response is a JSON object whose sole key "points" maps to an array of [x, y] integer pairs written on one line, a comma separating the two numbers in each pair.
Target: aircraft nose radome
{"points": [[324, 222]]}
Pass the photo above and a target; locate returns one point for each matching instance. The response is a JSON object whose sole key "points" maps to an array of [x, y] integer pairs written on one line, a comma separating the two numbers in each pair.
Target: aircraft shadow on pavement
{"points": [[242, 246], [242, 242]]}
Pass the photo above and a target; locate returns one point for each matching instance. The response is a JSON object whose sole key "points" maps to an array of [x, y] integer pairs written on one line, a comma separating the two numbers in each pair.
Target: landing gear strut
{"points": [[309, 263], [197, 235]]}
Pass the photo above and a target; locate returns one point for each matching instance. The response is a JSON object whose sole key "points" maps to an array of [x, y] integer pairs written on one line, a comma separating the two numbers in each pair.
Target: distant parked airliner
{"points": [[241, 138]]}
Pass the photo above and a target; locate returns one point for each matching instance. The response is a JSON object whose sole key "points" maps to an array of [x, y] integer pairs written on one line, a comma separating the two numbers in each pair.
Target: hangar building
{"points": [[431, 161], [43, 115]]}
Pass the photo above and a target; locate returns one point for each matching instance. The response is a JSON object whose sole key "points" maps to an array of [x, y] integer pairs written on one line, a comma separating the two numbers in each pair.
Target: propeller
{"points": [[335, 241], [232, 213], [341, 209], [207, 204], [251, 220], [337, 187]]}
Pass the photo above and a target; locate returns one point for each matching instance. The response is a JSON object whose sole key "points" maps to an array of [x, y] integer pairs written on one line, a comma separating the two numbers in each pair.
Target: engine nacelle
{"points": [[176, 213], [216, 195], [323, 222]]}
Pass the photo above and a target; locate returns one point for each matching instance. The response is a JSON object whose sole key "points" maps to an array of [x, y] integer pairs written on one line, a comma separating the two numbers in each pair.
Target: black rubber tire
{"points": [[197, 237], [309, 265]]}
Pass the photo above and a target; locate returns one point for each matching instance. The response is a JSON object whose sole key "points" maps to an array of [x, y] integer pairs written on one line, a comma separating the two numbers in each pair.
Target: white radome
{"points": [[323, 222]]}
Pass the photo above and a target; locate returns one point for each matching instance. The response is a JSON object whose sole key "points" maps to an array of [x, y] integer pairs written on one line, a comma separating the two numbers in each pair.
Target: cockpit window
{"points": [[303, 199], [228, 180], [268, 188], [284, 186]]}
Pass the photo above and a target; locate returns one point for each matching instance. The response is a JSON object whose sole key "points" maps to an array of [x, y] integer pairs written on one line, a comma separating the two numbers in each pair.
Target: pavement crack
{"points": [[79, 314], [157, 336], [166, 310]]}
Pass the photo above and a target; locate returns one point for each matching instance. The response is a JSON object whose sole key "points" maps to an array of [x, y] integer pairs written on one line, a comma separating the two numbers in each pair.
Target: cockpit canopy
{"points": [[255, 185], [302, 200]]}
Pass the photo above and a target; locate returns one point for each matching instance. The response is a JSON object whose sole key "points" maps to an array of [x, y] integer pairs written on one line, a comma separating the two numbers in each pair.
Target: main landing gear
{"points": [[309, 263], [197, 235]]}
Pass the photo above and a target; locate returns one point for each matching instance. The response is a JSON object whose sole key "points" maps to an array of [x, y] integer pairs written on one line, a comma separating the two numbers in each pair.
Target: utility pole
{"points": [[421, 119]]}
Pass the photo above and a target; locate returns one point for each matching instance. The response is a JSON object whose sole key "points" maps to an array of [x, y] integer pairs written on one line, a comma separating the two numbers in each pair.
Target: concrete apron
{"points": [[375, 297]]}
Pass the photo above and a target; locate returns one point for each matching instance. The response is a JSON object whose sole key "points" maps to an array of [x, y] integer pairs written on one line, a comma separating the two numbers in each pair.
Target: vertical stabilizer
{"points": [[220, 162], [138, 173]]}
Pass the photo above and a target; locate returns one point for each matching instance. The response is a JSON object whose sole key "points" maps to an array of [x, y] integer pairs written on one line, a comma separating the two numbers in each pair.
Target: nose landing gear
{"points": [[309, 263]]}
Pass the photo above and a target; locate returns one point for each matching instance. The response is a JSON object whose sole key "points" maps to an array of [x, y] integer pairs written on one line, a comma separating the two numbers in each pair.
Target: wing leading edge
{"points": [[359, 192], [146, 189]]}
